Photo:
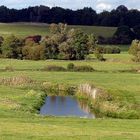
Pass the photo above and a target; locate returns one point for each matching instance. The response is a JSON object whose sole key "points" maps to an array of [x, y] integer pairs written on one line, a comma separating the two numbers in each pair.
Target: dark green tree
{"points": [[137, 31], [124, 35]]}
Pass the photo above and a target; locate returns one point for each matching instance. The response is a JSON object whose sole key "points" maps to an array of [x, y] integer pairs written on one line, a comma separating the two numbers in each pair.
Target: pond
{"points": [[65, 106]]}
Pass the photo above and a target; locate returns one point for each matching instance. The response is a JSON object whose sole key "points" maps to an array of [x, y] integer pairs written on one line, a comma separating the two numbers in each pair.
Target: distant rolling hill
{"points": [[26, 29]]}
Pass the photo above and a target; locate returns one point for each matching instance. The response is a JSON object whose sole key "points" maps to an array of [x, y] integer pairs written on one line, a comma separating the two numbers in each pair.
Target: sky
{"points": [[98, 5]]}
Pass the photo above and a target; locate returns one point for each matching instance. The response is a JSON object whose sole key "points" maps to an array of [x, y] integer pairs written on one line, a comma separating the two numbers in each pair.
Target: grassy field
{"points": [[23, 30], [20, 124], [18, 105], [114, 62]]}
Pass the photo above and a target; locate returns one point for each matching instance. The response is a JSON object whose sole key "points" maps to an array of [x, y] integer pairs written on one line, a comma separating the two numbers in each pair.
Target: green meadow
{"points": [[20, 124], [19, 116]]}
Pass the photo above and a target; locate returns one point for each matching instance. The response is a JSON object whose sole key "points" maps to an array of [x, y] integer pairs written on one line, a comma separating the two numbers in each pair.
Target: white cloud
{"points": [[103, 6]]}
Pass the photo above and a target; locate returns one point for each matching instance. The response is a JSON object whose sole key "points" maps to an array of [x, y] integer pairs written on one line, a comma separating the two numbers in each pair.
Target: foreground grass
{"points": [[22, 29], [68, 128], [16, 124]]}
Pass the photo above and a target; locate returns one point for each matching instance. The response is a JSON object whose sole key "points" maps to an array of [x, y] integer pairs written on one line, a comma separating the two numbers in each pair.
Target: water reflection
{"points": [[65, 106], [84, 106]]}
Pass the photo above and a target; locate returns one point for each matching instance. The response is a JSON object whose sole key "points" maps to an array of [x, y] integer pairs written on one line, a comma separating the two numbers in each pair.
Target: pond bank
{"points": [[100, 101], [104, 104]]}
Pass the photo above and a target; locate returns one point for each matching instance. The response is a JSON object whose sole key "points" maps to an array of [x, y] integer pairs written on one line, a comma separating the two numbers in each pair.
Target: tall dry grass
{"points": [[88, 90], [16, 81]]}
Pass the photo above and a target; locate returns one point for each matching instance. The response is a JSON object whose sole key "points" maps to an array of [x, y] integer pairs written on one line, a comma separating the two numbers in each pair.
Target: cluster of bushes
{"points": [[66, 44], [63, 43], [70, 67]]}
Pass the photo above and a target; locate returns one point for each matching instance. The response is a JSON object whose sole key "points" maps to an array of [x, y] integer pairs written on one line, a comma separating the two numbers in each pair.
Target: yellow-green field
{"points": [[25, 29]]}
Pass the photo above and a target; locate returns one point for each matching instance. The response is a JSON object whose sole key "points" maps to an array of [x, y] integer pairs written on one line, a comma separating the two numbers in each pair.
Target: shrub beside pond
{"points": [[35, 100]]}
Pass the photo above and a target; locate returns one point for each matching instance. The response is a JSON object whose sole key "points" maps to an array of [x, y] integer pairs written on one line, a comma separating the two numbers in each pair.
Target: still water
{"points": [[65, 106]]}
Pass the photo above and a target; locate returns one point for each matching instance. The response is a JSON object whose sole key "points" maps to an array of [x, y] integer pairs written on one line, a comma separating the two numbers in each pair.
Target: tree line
{"points": [[63, 43], [86, 16]]}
